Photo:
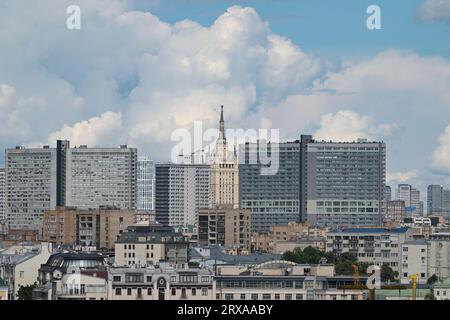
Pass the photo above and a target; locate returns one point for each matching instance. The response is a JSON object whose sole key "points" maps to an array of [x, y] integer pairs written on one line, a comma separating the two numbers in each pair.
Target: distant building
{"points": [[395, 211], [151, 245], [411, 197], [441, 289], [72, 276], [181, 189], [439, 255], [40, 179], [344, 182], [161, 283], [95, 227], [2, 194], [145, 184], [438, 201], [370, 245], [224, 226]]}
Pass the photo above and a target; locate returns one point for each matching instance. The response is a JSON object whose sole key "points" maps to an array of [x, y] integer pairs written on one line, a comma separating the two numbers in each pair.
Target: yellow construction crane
{"points": [[413, 278]]}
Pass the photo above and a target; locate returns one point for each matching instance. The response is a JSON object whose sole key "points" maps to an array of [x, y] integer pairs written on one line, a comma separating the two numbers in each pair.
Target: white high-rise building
{"points": [[2, 193], [39, 179], [145, 184], [411, 196]]}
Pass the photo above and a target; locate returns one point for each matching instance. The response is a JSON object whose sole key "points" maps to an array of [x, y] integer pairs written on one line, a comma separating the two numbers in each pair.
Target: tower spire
{"points": [[222, 126]]}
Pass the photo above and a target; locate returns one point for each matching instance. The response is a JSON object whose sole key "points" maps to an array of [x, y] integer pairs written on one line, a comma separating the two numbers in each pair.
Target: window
{"points": [[288, 296], [204, 292], [183, 292], [242, 296], [21, 274], [254, 296], [118, 291], [266, 296], [117, 278], [277, 296], [139, 292], [174, 291], [149, 278], [129, 291], [229, 296], [194, 291], [299, 296], [134, 278], [149, 291], [205, 278]]}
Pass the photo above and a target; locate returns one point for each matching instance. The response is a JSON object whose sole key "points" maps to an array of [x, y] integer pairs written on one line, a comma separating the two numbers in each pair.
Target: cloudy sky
{"points": [[137, 70]]}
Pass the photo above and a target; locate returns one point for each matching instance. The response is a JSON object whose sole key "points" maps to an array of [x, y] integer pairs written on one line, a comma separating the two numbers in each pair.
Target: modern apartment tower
{"points": [[41, 179], [2, 194], [344, 182], [145, 184], [30, 185], [180, 190], [272, 196], [411, 197]]}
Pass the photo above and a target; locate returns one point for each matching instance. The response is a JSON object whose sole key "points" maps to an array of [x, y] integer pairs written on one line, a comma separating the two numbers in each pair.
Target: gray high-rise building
{"points": [[40, 179], [272, 197], [345, 183], [180, 191], [438, 201], [30, 185], [145, 184], [2, 194]]}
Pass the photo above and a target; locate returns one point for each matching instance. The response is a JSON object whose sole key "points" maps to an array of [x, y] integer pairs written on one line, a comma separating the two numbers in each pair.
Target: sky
{"points": [[137, 71]]}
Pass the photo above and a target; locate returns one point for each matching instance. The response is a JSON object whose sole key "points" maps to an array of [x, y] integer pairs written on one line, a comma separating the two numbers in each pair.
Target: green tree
{"points": [[431, 280], [26, 292], [430, 296], [387, 274]]}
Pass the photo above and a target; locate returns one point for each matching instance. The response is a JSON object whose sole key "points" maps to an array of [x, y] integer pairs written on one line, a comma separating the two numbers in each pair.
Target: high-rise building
{"points": [[345, 182], [387, 193], [30, 185], [2, 194], [101, 177], [145, 184], [411, 196], [434, 200], [272, 197], [180, 190], [40, 179], [395, 211], [224, 174]]}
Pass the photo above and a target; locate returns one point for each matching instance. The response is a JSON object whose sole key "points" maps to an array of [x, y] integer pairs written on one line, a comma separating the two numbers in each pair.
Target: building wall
{"points": [[30, 185], [138, 253], [345, 183], [439, 255], [414, 260], [2, 194], [145, 184]]}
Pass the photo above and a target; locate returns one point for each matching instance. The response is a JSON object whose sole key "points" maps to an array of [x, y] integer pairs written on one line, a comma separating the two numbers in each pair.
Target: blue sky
{"points": [[138, 71]]}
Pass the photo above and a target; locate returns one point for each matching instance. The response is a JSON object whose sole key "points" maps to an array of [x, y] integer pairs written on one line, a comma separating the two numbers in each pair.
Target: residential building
{"points": [[224, 226], [145, 184], [94, 227], [151, 245], [395, 211], [2, 194], [19, 265], [283, 280], [161, 283], [224, 173], [30, 185], [438, 201], [72, 276], [439, 255], [344, 182], [441, 289], [272, 195], [370, 245], [39, 179], [411, 197], [414, 261], [181, 189]]}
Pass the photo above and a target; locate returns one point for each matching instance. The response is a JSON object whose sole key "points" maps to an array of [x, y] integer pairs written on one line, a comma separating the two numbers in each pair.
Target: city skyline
{"points": [[271, 66]]}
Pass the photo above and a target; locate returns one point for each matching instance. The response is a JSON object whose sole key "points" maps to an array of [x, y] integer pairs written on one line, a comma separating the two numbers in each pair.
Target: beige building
{"points": [[224, 226], [224, 173], [98, 227], [150, 245]]}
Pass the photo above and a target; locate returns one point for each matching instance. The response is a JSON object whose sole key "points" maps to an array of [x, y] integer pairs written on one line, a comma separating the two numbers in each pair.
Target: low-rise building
{"points": [[73, 276], [283, 280], [150, 245], [281, 247], [370, 245], [161, 283], [414, 261], [441, 289], [439, 255], [19, 265]]}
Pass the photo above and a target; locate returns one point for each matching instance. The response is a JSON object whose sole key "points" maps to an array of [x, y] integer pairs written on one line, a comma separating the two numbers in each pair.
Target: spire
{"points": [[222, 126]]}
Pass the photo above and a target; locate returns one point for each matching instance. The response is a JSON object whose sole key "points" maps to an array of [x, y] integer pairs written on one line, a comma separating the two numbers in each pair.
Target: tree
{"points": [[431, 280], [387, 274], [26, 292], [430, 296]]}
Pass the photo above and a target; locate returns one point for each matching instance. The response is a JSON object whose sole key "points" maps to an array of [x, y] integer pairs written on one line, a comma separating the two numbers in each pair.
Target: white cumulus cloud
{"points": [[434, 10], [440, 160]]}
